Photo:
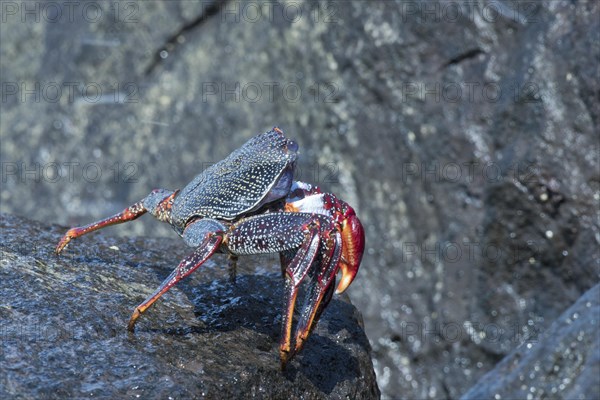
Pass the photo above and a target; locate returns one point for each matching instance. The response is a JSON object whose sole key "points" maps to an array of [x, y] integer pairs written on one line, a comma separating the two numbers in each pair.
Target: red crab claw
{"points": [[353, 238], [339, 251], [341, 248], [352, 231], [341, 242]]}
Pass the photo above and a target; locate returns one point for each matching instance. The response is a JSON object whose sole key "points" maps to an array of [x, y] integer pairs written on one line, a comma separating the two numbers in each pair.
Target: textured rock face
{"points": [[63, 326], [463, 133], [565, 362]]}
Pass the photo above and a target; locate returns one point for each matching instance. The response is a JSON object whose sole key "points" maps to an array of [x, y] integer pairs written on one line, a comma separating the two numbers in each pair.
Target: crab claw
{"points": [[353, 239], [311, 200]]}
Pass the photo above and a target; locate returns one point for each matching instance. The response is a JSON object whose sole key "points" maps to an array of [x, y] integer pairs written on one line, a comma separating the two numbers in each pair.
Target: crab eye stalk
{"points": [[292, 146], [159, 202]]}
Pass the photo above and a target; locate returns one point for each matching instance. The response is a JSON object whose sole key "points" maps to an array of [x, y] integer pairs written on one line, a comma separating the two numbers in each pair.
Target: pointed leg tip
{"points": [[132, 320], [64, 241], [60, 246], [285, 356], [299, 343], [233, 280]]}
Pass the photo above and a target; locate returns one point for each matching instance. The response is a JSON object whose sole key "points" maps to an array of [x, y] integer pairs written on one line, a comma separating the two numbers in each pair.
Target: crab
{"points": [[248, 203]]}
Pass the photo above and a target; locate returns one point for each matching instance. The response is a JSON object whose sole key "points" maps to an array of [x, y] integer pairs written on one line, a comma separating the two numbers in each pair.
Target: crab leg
{"points": [[294, 274], [297, 238], [321, 289], [232, 260], [206, 248], [129, 214]]}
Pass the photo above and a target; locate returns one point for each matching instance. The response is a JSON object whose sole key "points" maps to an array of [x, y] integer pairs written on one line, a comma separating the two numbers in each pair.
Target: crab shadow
{"points": [[255, 302]]}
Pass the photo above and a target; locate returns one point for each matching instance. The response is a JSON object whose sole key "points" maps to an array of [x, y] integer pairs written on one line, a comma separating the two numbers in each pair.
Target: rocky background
{"points": [[464, 133]]}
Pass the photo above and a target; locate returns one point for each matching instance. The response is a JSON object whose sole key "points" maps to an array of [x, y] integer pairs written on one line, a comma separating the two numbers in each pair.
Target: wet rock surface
{"points": [[565, 363], [63, 325], [465, 135]]}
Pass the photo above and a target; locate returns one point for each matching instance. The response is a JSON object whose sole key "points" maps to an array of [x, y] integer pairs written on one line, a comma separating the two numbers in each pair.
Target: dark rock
{"points": [[564, 363], [465, 134], [63, 325]]}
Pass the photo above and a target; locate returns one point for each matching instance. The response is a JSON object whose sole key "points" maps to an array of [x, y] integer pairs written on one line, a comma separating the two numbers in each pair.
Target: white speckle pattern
{"points": [[238, 183]]}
